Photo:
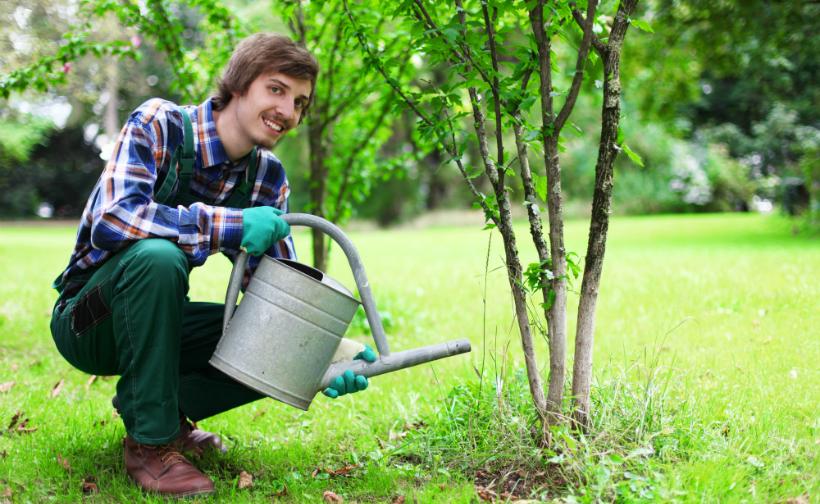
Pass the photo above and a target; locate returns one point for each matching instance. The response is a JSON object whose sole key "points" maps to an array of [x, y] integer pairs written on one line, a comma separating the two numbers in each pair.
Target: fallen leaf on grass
{"points": [[245, 480], [17, 426], [90, 485], [485, 493], [90, 381], [800, 499], [5, 387], [342, 471], [399, 499], [331, 497], [7, 492], [58, 387], [64, 462], [258, 414], [23, 427], [14, 420]]}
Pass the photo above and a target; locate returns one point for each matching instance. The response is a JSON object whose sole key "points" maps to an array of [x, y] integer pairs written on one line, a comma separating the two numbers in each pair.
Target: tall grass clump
{"points": [[488, 431]]}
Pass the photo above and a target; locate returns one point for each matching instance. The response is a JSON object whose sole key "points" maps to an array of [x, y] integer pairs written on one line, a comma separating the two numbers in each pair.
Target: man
{"points": [[167, 200]]}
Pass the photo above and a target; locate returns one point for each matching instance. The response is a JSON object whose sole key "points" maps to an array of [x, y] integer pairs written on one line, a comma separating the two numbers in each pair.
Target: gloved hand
{"points": [[261, 228], [349, 382]]}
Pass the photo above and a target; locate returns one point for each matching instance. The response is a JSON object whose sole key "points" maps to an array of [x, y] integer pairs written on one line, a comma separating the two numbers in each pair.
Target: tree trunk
{"points": [[514, 272], [557, 316], [557, 366], [599, 223], [111, 120], [317, 192]]}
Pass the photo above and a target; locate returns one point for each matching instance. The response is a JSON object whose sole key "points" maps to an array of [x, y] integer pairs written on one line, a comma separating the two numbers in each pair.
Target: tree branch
{"points": [[544, 62], [331, 71], [299, 27], [351, 158], [583, 52], [599, 46], [380, 67], [450, 149], [499, 137], [465, 56]]}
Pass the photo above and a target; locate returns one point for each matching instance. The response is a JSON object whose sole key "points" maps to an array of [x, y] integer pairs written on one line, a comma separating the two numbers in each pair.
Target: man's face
{"points": [[271, 107]]}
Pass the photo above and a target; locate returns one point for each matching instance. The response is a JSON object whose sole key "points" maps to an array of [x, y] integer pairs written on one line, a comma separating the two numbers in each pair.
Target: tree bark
{"points": [[557, 316], [599, 223]]}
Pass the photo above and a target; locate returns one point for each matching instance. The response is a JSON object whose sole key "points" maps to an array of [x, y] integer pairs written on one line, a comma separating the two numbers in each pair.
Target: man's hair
{"points": [[261, 53]]}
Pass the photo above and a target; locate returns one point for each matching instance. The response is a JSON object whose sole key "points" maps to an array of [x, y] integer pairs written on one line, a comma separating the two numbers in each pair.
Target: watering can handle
{"points": [[330, 229]]}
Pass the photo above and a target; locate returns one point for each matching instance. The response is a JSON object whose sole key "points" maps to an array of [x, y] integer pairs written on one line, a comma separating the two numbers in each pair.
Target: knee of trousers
{"points": [[160, 259]]}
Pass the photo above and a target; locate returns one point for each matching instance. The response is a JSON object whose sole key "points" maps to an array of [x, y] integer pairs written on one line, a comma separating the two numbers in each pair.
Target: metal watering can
{"points": [[281, 338]]}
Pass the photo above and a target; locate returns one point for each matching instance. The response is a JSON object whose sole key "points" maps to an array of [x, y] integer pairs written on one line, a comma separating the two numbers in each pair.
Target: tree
{"points": [[350, 119], [491, 50]]}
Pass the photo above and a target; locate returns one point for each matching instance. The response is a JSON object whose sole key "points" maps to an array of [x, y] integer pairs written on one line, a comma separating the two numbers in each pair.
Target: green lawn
{"points": [[723, 309]]}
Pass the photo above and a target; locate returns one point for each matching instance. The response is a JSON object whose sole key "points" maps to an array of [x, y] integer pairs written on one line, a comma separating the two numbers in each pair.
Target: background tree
{"points": [[351, 117]]}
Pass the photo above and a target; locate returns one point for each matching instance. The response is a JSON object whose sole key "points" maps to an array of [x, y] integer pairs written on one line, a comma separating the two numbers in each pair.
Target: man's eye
{"points": [[276, 90], [300, 104]]}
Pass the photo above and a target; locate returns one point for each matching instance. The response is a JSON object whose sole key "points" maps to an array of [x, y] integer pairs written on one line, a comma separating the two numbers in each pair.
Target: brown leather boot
{"points": [[164, 470], [192, 439]]}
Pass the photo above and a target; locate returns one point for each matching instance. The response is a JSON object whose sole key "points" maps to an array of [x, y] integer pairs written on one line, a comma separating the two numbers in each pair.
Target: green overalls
{"points": [[133, 318]]}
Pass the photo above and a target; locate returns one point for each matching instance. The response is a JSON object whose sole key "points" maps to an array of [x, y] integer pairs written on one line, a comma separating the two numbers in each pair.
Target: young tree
{"points": [[492, 49]]}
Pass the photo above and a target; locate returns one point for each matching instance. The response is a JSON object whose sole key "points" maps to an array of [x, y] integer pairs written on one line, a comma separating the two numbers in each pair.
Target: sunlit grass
{"points": [[727, 304]]}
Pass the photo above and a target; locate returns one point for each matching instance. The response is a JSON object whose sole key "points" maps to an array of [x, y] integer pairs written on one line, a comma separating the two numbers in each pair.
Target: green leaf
{"points": [[633, 156], [531, 135], [573, 264], [540, 186], [641, 25], [550, 300]]}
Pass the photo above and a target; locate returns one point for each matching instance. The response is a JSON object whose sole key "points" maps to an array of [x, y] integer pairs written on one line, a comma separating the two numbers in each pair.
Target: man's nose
{"points": [[287, 109]]}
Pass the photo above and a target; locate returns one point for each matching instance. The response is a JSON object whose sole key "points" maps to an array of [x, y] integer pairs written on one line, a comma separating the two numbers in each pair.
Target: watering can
{"points": [[282, 337]]}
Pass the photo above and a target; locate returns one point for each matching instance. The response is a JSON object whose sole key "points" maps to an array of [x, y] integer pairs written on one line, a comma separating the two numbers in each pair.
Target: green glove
{"points": [[349, 382], [261, 228]]}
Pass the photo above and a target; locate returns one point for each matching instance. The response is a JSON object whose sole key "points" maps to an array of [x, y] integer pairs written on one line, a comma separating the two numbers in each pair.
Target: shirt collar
{"points": [[210, 146]]}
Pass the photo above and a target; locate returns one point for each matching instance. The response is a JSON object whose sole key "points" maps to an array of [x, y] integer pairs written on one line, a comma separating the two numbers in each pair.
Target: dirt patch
{"points": [[510, 484]]}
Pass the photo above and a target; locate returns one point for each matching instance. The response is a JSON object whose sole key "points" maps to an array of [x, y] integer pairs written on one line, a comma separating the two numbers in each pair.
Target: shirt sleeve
{"points": [[126, 210]]}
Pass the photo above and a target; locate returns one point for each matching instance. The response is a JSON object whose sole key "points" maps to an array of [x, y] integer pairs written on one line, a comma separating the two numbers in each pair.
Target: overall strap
{"points": [[182, 163], [241, 196]]}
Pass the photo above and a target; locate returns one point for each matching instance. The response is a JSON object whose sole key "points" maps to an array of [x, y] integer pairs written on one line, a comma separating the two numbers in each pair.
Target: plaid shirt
{"points": [[121, 208]]}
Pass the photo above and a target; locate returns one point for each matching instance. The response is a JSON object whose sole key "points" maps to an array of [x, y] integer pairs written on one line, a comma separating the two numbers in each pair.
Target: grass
{"points": [[706, 378]]}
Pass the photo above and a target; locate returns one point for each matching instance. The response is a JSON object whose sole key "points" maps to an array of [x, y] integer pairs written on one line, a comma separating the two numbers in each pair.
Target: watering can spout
{"points": [[397, 360]]}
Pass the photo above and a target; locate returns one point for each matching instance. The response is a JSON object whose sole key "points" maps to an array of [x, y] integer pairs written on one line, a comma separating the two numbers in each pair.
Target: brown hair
{"points": [[260, 53]]}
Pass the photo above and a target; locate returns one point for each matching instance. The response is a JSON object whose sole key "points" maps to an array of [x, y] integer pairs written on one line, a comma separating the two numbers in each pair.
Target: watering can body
{"points": [[282, 337], [284, 333]]}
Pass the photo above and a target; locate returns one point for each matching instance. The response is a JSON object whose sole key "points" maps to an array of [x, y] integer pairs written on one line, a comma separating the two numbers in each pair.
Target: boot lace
{"points": [[170, 456]]}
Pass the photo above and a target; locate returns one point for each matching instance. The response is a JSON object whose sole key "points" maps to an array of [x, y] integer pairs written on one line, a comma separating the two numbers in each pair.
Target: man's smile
{"points": [[275, 126]]}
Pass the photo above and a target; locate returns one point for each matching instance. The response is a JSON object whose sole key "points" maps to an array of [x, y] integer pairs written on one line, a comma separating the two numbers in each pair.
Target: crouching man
{"points": [[182, 183]]}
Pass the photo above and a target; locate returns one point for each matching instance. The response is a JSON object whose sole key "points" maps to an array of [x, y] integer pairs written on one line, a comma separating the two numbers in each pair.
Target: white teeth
{"points": [[272, 125]]}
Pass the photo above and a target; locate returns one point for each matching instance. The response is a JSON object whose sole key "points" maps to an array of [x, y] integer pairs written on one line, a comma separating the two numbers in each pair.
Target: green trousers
{"points": [[133, 319]]}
